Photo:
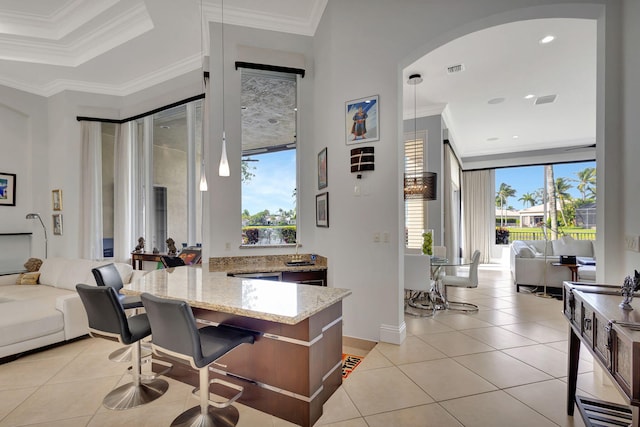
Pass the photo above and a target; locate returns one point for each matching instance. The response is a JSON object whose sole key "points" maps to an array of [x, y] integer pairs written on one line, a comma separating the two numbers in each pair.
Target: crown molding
{"points": [[265, 20], [85, 45], [57, 25]]}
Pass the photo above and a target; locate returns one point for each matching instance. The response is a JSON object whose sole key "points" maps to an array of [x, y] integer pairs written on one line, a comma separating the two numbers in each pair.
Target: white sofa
{"points": [[528, 261], [34, 316]]}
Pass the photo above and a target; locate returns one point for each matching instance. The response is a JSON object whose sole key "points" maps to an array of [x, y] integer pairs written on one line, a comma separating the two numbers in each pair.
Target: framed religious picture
{"points": [[56, 200], [7, 189], [322, 210], [361, 120], [322, 169]]}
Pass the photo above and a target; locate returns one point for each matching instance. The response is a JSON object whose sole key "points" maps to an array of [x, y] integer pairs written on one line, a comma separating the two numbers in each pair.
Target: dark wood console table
{"points": [[140, 257], [612, 335]]}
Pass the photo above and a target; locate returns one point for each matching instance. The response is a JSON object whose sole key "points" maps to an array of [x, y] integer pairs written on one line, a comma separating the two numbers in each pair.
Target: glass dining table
{"points": [[438, 266]]}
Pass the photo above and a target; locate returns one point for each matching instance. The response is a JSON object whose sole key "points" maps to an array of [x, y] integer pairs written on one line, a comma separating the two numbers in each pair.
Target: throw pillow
{"points": [[33, 264], [28, 279], [526, 252]]}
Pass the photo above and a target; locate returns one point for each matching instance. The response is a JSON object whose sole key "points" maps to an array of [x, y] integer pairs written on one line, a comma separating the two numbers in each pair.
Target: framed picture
{"points": [[7, 189], [57, 224], [361, 119], [322, 210], [322, 169], [56, 200]]}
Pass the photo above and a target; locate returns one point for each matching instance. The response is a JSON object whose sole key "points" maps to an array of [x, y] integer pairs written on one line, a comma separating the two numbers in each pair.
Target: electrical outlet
{"points": [[227, 246], [376, 237], [631, 243]]}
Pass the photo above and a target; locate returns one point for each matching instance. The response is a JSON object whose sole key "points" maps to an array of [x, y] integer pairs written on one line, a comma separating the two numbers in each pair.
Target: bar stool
{"points": [[175, 334], [108, 275], [107, 320]]}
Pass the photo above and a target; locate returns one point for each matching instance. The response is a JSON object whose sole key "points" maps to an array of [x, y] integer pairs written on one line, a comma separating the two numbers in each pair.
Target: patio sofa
{"points": [[48, 311], [527, 261]]}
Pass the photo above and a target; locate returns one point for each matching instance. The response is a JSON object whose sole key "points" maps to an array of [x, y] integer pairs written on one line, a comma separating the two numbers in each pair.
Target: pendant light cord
{"points": [[223, 83]]}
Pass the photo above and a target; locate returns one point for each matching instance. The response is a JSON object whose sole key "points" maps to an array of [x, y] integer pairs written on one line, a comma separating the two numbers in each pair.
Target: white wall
{"points": [[631, 128], [23, 151]]}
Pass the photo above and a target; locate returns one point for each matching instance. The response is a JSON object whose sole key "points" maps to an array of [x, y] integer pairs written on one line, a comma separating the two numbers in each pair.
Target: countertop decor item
{"points": [[629, 286]]}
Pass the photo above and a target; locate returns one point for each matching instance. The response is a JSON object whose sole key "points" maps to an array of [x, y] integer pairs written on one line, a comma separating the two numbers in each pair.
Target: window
{"points": [[414, 209], [269, 164], [166, 152]]}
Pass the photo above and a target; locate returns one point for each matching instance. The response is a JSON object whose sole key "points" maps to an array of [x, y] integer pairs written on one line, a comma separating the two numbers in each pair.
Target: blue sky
{"points": [[273, 185], [528, 179]]}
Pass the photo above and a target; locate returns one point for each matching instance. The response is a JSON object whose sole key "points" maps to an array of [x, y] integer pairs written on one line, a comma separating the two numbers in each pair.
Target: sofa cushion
{"points": [[51, 269], [570, 246], [28, 279], [523, 249], [28, 319], [76, 271]]}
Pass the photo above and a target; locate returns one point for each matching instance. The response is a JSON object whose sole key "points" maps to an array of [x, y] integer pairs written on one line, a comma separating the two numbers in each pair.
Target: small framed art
{"points": [[57, 224], [7, 189], [322, 210], [361, 118], [56, 200], [322, 169]]}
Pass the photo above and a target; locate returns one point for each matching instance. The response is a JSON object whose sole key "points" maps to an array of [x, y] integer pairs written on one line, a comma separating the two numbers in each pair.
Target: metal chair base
{"points": [[215, 417], [467, 307], [131, 395]]}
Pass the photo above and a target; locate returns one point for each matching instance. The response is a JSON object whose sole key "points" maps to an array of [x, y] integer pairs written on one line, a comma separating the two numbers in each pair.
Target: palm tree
{"points": [[562, 192], [528, 199], [551, 200], [586, 182], [504, 192]]}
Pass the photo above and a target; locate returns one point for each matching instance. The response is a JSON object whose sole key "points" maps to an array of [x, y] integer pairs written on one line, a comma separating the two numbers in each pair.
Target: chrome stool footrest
{"points": [[226, 403]]}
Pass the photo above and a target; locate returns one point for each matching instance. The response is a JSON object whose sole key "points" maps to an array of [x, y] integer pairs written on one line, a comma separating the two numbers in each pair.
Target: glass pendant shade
{"points": [[223, 169]]}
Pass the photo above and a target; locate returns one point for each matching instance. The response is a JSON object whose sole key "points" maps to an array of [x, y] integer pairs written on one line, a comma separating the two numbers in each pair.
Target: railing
{"points": [[539, 234]]}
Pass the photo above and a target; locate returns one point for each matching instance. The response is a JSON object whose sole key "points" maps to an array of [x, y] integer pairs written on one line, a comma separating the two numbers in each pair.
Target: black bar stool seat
{"points": [[176, 334], [107, 319]]}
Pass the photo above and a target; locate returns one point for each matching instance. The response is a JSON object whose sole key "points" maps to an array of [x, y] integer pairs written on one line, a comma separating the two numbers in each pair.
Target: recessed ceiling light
{"points": [[529, 96], [515, 137], [165, 127], [493, 138], [273, 121], [495, 101], [547, 39]]}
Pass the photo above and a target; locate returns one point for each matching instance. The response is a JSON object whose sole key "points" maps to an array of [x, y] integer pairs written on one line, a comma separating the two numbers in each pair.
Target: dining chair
{"points": [[469, 281], [418, 284]]}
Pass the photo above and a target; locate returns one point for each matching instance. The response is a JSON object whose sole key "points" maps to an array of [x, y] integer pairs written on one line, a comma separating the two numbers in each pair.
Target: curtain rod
{"points": [[139, 116], [265, 67]]}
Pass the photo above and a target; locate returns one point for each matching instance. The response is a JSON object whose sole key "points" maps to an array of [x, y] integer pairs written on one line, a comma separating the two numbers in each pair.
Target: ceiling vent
{"points": [[455, 69], [547, 99]]}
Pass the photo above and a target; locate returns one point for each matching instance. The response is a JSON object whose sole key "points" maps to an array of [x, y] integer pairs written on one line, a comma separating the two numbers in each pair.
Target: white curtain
{"points": [[124, 180], [478, 203], [91, 190], [450, 223]]}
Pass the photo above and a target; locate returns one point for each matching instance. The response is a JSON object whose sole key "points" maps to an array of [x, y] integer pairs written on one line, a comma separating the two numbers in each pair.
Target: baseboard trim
{"points": [[393, 334]]}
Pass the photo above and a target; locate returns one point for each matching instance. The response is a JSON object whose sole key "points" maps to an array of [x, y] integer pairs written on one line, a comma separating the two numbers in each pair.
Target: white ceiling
{"points": [[47, 46], [507, 61]]}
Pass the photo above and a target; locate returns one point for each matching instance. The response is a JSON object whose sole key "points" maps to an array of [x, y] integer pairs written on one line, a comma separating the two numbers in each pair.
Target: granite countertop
{"points": [[264, 264], [281, 302]]}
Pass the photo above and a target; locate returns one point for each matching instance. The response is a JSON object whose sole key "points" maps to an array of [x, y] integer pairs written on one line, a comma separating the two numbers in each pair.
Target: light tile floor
{"points": [[505, 365]]}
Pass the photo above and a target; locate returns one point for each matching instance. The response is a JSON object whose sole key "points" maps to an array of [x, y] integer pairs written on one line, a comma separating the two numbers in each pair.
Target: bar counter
{"points": [[295, 364]]}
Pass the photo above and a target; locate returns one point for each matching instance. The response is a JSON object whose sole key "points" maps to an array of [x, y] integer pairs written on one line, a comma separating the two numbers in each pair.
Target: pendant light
{"points": [[205, 109], [419, 184], [223, 169]]}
